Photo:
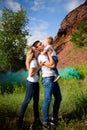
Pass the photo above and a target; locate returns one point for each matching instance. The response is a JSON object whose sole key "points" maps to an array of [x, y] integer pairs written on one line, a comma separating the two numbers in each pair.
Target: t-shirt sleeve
{"points": [[48, 47]]}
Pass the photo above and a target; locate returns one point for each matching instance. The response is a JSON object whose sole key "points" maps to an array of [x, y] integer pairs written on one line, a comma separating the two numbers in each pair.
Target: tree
{"points": [[12, 38], [79, 37]]}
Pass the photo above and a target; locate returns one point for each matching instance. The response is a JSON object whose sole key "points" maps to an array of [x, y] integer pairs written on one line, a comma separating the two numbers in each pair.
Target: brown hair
{"points": [[35, 43], [29, 57]]}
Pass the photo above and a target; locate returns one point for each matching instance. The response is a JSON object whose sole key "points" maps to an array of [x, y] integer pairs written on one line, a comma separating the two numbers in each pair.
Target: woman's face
{"points": [[40, 46], [36, 51]]}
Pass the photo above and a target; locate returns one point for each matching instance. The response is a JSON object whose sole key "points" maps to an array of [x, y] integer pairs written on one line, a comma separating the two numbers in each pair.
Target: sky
{"points": [[45, 16]]}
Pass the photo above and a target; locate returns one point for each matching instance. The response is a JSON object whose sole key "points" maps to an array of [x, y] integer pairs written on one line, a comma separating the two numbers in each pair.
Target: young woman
{"points": [[32, 85]]}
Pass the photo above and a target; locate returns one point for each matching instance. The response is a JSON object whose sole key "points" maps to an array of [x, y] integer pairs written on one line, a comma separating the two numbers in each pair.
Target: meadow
{"points": [[73, 108]]}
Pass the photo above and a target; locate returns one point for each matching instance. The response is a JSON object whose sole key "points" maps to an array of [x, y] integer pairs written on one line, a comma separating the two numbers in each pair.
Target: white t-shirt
{"points": [[35, 78], [47, 47], [46, 72]]}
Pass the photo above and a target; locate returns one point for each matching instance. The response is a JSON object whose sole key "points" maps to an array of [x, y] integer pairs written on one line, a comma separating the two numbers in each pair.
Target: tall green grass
{"points": [[73, 108]]}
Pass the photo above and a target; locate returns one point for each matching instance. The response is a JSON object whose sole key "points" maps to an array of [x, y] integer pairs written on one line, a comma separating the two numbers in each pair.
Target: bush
{"points": [[10, 79], [79, 38]]}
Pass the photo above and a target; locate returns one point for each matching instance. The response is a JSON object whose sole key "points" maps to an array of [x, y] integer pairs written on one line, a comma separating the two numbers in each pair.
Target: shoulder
{"points": [[48, 47]]}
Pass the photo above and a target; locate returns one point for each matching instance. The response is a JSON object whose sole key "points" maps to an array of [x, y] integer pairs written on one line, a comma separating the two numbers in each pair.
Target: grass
{"points": [[73, 108]]}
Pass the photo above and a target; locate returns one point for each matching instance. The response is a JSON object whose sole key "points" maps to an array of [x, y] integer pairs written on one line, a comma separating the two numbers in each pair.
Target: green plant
{"points": [[73, 108], [79, 38], [13, 39], [7, 88]]}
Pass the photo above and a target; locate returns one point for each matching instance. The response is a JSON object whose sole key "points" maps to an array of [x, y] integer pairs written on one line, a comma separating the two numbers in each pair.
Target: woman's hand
{"points": [[41, 63]]}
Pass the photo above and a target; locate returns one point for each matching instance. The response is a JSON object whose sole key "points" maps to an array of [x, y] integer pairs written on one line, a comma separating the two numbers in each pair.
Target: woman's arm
{"points": [[33, 71], [27, 62]]}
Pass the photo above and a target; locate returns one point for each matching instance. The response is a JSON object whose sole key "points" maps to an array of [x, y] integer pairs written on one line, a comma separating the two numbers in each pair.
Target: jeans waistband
{"points": [[50, 77]]}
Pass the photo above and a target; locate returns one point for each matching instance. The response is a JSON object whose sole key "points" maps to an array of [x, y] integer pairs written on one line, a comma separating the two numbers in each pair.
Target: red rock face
{"points": [[72, 19], [71, 56], [67, 54]]}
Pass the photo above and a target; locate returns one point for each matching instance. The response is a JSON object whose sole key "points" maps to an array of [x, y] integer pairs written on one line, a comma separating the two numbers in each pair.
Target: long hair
{"points": [[29, 57], [35, 43]]}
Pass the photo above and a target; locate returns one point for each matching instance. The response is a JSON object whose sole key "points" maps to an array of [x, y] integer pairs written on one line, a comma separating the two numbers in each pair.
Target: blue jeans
{"points": [[55, 69], [32, 90], [50, 88]]}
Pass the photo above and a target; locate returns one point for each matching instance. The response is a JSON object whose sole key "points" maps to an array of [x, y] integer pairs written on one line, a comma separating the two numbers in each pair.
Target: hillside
{"points": [[67, 53], [70, 55]]}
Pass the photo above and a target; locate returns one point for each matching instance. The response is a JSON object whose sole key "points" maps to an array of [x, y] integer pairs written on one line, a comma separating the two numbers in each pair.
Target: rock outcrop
{"points": [[67, 54], [71, 20]]}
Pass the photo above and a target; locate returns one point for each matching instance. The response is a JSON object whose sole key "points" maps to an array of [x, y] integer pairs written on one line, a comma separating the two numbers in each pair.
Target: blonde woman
{"points": [[32, 86]]}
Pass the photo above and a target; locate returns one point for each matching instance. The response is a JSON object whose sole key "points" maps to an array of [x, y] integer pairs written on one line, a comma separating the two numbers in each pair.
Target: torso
{"points": [[35, 78], [46, 72]]}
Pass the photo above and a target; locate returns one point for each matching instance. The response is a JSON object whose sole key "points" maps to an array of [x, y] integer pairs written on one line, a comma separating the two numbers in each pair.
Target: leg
{"points": [[28, 96], [48, 89], [57, 100], [36, 101], [56, 72]]}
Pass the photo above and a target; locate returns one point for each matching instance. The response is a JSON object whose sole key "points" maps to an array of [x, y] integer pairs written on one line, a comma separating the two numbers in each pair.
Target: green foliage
{"points": [[10, 79], [69, 73], [12, 38], [72, 112], [79, 38], [74, 93], [7, 88]]}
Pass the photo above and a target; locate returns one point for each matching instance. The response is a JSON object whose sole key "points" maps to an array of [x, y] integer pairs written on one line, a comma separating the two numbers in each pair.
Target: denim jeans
{"points": [[55, 69], [50, 88], [32, 90]]}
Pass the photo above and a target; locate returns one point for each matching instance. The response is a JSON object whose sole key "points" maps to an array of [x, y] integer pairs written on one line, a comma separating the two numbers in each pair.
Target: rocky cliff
{"points": [[62, 42]]}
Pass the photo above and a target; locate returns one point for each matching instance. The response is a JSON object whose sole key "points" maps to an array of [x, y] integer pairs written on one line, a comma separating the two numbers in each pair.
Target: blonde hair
{"points": [[29, 57], [49, 39]]}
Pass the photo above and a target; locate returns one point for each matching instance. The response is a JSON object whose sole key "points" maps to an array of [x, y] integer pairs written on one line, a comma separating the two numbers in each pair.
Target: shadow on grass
{"points": [[8, 121], [74, 115]]}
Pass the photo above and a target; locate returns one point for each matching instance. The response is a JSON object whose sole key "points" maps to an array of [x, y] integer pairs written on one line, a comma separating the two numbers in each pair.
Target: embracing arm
{"points": [[50, 63], [33, 71]]}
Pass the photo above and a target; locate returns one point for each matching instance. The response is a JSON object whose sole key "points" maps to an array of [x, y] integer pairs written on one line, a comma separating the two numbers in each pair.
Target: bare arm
{"points": [[33, 71], [50, 63], [44, 51], [27, 62]]}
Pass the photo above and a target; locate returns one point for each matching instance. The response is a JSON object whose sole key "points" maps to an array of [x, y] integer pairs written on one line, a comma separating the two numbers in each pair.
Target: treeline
{"points": [[13, 39]]}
